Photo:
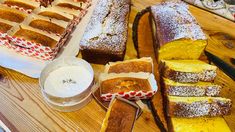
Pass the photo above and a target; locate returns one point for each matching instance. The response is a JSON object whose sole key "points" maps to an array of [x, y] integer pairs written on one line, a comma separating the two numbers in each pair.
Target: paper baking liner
{"points": [[131, 95]]}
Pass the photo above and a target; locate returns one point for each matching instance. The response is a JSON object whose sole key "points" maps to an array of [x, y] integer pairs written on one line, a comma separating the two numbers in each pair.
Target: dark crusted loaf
{"points": [[190, 89], [198, 106], [105, 37]]}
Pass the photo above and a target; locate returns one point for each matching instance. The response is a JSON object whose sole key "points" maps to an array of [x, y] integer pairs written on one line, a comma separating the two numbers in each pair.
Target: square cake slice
{"points": [[188, 70], [198, 106], [120, 117]]}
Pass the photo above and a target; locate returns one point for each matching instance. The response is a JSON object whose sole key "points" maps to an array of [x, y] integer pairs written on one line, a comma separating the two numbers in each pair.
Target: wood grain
{"points": [[23, 106]]}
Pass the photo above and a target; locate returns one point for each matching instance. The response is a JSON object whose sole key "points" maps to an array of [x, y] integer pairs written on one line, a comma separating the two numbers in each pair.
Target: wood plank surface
{"points": [[23, 107]]}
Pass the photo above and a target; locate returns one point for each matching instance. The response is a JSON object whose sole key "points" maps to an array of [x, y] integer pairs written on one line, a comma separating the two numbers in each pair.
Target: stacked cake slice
{"points": [[191, 94]]}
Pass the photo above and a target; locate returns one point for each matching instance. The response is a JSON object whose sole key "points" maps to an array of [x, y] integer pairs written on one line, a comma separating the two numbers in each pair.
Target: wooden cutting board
{"points": [[24, 109]]}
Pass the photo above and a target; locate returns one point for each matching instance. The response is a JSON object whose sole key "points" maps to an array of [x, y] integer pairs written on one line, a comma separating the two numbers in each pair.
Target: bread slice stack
{"points": [[191, 96]]}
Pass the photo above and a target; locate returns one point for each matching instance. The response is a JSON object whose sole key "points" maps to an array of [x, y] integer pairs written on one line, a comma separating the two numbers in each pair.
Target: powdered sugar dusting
{"points": [[207, 107], [107, 29], [193, 91], [174, 21]]}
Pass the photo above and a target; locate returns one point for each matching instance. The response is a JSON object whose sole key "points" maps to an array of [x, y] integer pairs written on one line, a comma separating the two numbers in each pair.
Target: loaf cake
{"points": [[190, 89], [120, 116], [176, 33], [105, 36], [144, 64], [188, 70], [200, 124], [198, 106], [127, 85]]}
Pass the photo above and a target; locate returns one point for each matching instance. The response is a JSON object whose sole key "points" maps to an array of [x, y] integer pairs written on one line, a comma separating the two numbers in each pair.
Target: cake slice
{"points": [[132, 86], [190, 89], [188, 70], [176, 33], [144, 64], [120, 116], [200, 124], [198, 106]]}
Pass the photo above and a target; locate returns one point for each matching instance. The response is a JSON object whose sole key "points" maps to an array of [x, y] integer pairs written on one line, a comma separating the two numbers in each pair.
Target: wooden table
{"points": [[23, 108]]}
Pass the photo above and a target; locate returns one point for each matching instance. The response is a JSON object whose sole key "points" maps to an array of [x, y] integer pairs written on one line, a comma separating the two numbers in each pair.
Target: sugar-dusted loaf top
{"points": [[174, 21], [107, 29]]}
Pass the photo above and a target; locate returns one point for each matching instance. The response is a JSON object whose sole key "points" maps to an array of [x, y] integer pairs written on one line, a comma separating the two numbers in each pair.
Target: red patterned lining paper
{"points": [[132, 95]]}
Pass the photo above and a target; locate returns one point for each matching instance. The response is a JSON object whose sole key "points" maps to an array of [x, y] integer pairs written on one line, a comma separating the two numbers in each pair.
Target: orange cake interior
{"points": [[47, 26], [11, 15], [201, 124], [120, 117], [124, 84], [182, 49], [19, 4], [70, 6], [4, 27], [36, 37], [54, 15]]}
